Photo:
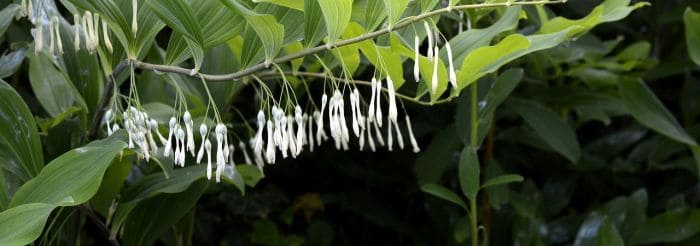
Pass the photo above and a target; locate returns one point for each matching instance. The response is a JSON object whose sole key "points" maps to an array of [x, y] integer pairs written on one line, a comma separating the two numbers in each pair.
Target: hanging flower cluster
{"points": [[432, 52], [88, 25]]}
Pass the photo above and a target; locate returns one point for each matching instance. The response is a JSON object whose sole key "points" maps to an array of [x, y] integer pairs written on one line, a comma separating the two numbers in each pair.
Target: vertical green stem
{"points": [[473, 141]]}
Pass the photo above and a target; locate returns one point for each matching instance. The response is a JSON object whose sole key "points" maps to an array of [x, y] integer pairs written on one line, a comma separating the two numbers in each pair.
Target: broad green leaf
{"points": [[10, 62], [500, 90], [337, 14], [598, 230], [468, 172], [314, 30], [395, 9], [503, 179], [547, 124], [375, 14], [23, 224], [692, 34], [293, 48], [179, 16], [382, 57], [54, 90], [250, 174], [646, 108], [293, 4], [21, 156], [153, 217], [467, 41], [444, 193], [270, 32], [671, 226], [487, 59], [6, 16], [158, 183], [111, 186], [73, 177], [349, 58], [608, 11]]}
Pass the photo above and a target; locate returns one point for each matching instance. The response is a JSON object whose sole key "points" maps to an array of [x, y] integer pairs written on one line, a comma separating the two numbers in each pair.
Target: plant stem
{"points": [[310, 51], [473, 141]]}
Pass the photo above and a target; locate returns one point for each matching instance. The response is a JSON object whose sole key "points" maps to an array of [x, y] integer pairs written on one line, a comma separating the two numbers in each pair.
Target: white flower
{"points": [[39, 37], [414, 143], [370, 141], [168, 143], [106, 119], [231, 149], [105, 36], [244, 149], [220, 131], [57, 31], [291, 139], [258, 143], [435, 71], [301, 130], [399, 136], [392, 99], [180, 149], [134, 17], [76, 31], [270, 150], [309, 135], [354, 101], [378, 111], [284, 142], [187, 118], [416, 59], [389, 137], [453, 75], [371, 110], [203, 132], [207, 147], [321, 133]]}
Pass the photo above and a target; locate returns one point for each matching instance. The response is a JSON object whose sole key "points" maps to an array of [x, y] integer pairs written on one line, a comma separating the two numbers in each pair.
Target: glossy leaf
{"points": [[270, 32], [21, 155], [6, 16], [395, 9], [179, 16], [547, 124], [73, 177], [54, 90], [314, 30], [293, 4], [153, 217], [671, 226], [649, 111], [608, 11], [337, 14], [444, 193], [10, 62], [503, 179], [23, 224], [692, 33], [469, 172]]}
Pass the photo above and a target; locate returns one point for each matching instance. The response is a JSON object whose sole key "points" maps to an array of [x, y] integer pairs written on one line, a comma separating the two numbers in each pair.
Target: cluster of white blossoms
{"points": [[432, 53], [288, 133], [88, 25]]}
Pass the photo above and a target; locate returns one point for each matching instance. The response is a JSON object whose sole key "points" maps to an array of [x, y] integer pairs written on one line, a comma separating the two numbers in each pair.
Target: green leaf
{"points": [[503, 179], [314, 30], [649, 111], [500, 90], [465, 42], [469, 172], [375, 14], [110, 12], [608, 11], [671, 226], [21, 155], [692, 34], [23, 224], [337, 14], [54, 90], [179, 16], [73, 177], [82, 68], [444, 193], [487, 59], [380, 56], [111, 186], [547, 124], [154, 216], [10, 62], [395, 9], [250, 174], [292, 4], [158, 183], [598, 230], [270, 32], [6, 16]]}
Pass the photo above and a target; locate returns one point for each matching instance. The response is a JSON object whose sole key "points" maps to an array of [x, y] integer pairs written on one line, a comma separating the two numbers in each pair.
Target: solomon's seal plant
{"points": [[167, 98]]}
